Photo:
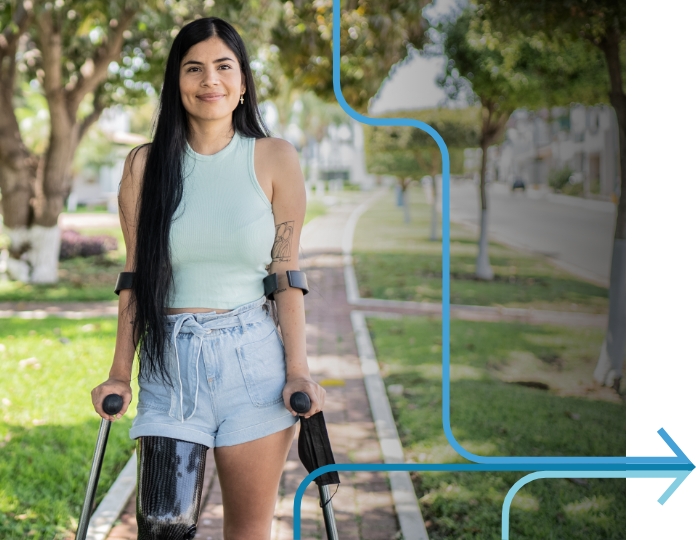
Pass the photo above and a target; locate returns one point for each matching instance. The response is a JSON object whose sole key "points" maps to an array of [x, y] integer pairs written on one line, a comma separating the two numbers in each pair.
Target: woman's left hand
{"points": [[304, 384]]}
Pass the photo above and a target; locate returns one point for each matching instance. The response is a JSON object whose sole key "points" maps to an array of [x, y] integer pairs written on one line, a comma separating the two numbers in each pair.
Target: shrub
{"points": [[73, 244], [560, 177]]}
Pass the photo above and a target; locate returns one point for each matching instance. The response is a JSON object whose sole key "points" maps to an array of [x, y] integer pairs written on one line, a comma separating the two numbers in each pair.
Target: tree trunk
{"points": [[399, 192], [610, 366], [434, 218], [34, 194], [483, 264], [404, 203]]}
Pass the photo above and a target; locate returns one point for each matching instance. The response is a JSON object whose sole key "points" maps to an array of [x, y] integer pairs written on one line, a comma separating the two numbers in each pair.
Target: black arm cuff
{"points": [[124, 281], [296, 279]]}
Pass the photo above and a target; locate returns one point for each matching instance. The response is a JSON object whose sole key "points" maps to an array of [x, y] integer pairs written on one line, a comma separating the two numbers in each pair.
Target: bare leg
{"points": [[170, 481], [249, 477]]}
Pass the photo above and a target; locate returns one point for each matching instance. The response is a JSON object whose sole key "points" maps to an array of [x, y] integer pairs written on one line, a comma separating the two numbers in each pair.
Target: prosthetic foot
{"points": [[170, 484]]}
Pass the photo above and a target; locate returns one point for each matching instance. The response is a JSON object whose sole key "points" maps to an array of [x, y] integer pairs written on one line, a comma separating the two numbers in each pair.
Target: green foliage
{"points": [[512, 70], [559, 178], [590, 20], [85, 26], [48, 426], [374, 36], [491, 417], [411, 152]]}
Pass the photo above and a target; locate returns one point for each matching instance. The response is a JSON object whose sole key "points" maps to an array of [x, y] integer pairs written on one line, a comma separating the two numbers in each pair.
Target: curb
{"points": [[113, 503], [403, 493], [404, 496]]}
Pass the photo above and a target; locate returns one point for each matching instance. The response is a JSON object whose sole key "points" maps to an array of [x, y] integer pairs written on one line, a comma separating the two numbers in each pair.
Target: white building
{"points": [[583, 139]]}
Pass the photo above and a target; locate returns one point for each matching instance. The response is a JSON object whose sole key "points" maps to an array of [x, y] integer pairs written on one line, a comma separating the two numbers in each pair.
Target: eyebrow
{"points": [[225, 59]]}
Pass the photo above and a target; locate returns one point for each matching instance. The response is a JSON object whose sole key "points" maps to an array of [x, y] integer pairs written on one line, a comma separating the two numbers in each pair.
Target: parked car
{"points": [[518, 184]]}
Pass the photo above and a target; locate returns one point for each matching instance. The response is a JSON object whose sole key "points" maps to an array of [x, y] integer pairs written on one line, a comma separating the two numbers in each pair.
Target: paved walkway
{"points": [[363, 504]]}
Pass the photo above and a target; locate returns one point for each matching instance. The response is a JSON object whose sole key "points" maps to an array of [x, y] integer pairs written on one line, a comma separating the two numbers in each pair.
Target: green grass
{"points": [[491, 416], [92, 209], [48, 426], [396, 261]]}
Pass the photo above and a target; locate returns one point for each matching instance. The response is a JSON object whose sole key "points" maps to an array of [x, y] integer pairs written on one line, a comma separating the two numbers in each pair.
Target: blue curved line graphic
{"points": [[678, 475], [476, 467], [679, 462]]}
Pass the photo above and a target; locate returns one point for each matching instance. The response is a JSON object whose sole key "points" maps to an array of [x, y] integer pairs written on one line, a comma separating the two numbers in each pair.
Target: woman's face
{"points": [[210, 80]]}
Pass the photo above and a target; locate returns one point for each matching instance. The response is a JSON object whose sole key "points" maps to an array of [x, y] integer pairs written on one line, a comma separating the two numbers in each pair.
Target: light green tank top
{"points": [[223, 230]]}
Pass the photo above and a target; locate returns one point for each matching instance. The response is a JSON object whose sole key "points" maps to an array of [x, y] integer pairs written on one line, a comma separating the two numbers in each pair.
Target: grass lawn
{"points": [[492, 416], [397, 262], [48, 426]]}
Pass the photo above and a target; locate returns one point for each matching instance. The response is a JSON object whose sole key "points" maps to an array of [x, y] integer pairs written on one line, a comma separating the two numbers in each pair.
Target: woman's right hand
{"points": [[112, 386]]}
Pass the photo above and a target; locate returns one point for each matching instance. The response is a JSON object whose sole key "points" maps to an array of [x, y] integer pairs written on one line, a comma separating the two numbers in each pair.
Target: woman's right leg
{"points": [[170, 484]]}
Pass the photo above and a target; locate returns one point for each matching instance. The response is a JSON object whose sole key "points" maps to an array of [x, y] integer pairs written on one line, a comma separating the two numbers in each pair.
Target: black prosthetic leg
{"points": [[170, 485]]}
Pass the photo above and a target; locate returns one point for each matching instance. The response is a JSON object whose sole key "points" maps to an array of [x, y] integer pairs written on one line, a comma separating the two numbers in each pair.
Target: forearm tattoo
{"points": [[281, 251]]}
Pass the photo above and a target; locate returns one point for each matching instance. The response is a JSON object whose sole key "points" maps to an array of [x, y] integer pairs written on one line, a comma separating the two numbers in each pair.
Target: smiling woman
{"points": [[207, 210], [211, 83]]}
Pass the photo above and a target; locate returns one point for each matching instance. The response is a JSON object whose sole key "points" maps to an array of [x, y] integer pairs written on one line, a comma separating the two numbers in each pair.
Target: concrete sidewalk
{"points": [[363, 504]]}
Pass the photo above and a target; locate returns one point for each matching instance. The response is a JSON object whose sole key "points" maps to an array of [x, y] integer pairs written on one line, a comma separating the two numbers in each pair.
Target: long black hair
{"points": [[162, 188]]}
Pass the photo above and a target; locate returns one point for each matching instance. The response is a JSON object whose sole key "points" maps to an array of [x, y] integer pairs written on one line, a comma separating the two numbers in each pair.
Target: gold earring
{"points": [[241, 99]]}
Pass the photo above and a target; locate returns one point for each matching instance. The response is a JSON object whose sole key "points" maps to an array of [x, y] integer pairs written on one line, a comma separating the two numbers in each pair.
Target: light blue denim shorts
{"points": [[228, 374]]}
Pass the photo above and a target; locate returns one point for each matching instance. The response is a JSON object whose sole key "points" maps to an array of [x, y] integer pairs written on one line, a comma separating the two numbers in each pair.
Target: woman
{"points": [[205, 209]]}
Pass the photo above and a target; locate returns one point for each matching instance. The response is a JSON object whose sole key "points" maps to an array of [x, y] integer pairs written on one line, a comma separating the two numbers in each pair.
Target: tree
{"points": [[602, 25], [375, 35], [507, 72], [85, 56], [460, 129], [410, 153]]}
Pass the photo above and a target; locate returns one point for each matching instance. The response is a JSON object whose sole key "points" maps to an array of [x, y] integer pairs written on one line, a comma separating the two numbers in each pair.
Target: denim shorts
{"points": [[228, 374]]}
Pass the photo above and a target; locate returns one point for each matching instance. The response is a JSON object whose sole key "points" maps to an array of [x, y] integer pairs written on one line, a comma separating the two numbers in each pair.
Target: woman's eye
{"points": [[225, 66]]}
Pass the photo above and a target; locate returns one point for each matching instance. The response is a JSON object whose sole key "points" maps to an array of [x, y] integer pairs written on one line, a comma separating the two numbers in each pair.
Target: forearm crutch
{"points": [[112, 404], [315, 451]]}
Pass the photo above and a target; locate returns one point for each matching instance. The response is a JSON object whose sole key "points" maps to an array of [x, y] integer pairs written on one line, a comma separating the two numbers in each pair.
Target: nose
{"points": [[210, 78]]}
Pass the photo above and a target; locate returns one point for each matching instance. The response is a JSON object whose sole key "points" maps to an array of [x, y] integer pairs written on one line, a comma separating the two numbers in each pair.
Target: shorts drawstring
{"points": [[188, 322]]}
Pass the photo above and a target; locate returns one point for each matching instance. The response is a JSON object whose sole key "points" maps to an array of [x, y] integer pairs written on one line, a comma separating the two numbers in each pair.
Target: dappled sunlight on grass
{"points": [[492, 417], [47, 423]]}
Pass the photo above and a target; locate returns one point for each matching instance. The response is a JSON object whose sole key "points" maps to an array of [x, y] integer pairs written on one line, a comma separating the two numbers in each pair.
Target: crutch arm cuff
{"points": [[296, 279], [124, 281]]}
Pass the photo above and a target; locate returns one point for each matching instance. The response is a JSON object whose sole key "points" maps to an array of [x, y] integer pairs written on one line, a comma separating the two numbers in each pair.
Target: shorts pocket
{"points": [[154, 393], [263, 367]]}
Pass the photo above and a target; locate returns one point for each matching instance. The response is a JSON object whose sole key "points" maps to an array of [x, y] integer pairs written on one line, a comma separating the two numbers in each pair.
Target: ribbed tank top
{"points": [[223, 230]]}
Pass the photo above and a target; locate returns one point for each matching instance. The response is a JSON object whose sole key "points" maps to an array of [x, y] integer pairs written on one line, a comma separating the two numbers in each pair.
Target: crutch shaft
{"points": [[111, 405], [98, 458], [327, 509]]}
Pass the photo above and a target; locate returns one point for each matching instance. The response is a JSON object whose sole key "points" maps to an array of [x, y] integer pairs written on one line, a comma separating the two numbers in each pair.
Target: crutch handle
{"points": [[112, 404], [300, 402]]}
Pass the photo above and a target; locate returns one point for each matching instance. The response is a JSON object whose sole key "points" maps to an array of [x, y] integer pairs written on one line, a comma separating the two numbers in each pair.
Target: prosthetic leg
{"points": [[170, 484]]}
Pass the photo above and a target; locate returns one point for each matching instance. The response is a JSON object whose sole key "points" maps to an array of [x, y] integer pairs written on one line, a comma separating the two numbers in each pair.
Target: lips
{"points": [[210, 97]]}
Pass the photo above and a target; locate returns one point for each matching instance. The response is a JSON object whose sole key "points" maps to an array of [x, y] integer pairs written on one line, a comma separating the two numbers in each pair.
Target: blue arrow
{"points": [[680, 462], [678, 475]]}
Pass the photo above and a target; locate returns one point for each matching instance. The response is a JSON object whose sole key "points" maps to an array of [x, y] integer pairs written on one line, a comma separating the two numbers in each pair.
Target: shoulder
{"points": [[134, 166], [133, 171], [277, 152]]}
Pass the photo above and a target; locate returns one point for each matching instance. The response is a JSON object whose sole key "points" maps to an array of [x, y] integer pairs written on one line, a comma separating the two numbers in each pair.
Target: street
{"points": [[576, 234]]}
